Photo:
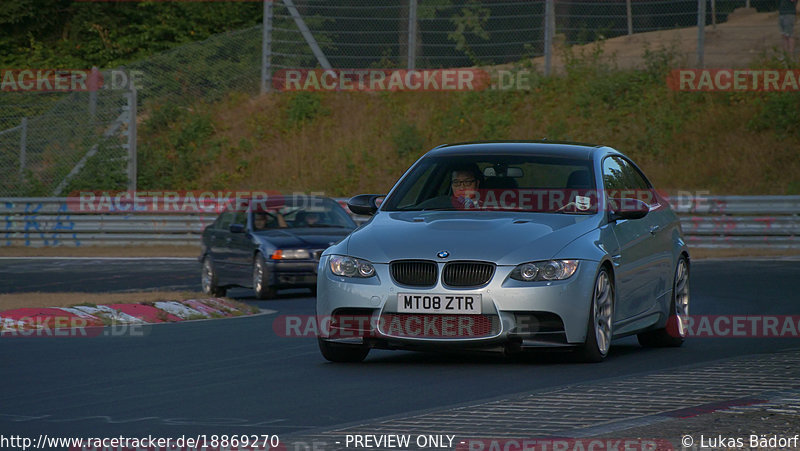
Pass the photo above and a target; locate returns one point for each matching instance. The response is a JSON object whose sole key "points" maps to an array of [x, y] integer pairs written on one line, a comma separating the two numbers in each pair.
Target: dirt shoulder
{"points": [[102, 251], [735, 43], [701, 253]]}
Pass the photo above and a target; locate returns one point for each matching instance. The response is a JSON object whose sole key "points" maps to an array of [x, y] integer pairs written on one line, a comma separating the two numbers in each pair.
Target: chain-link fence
{"points": [[457, 33], [52, 143]]}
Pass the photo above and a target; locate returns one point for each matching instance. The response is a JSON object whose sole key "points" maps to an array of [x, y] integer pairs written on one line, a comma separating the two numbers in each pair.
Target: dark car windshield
{"points": [[531, 183], [300, 213]]}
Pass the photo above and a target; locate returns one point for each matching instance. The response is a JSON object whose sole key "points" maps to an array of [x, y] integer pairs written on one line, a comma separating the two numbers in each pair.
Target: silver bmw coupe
{"points": [[510, 246]]}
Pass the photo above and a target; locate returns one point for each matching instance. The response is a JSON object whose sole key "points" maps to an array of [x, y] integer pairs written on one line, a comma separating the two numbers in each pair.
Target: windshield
{"points": [[532, 183], [300, 214]]}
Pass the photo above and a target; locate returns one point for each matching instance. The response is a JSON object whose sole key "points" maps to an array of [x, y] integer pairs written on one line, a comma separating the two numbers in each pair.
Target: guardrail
{"points": [[709, 222]]}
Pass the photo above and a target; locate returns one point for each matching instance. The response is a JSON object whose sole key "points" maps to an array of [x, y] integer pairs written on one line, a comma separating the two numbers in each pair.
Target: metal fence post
{"points": [[630, 16], [132, 139], [94, 77], [549, 32], [266, 48], [714, 14], [23, 146], [701, 32], [412, 34], [307, 35]]}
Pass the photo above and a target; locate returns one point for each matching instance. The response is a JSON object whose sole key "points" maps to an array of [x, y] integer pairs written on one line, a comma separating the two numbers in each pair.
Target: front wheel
{"points": [[261, 286], [599, 330], [209, 279], [342, 353], [674, 334]]}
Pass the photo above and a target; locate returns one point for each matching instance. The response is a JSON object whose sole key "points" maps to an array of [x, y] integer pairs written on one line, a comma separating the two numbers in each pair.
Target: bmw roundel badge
{"points": [[443, 254]]}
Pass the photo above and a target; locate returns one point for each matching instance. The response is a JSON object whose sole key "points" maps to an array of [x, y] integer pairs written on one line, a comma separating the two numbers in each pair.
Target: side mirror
{"points": [[364, 204], [627, 209], [236, 228]]}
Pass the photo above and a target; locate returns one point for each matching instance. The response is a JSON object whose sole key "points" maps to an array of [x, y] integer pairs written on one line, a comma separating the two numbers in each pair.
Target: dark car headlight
{"points": [[545, 270], [345, 266], [291, 254]]}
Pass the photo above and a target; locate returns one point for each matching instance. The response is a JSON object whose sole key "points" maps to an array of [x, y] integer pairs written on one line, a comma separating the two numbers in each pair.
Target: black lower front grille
{"points": [[427, 325], [467, 274], [417, 273]]}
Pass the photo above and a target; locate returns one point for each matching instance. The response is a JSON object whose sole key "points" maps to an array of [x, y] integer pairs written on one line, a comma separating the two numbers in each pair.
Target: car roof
{"points": [[546, 148]]}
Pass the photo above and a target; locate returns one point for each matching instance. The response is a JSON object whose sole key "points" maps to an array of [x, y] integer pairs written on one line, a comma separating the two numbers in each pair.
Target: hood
{"points": [[308, 237], [506, 238]]}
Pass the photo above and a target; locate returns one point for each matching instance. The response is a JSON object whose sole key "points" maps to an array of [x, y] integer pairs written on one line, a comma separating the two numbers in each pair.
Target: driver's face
{"points": [[260, 221], [312, 218], [463, 183]]}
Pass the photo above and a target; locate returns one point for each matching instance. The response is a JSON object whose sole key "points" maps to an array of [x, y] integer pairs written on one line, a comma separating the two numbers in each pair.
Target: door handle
{"points": [[654, 229]]}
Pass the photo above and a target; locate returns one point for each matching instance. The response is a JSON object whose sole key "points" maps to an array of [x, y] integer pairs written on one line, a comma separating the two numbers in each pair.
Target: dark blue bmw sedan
{"points": [[271, 245]]}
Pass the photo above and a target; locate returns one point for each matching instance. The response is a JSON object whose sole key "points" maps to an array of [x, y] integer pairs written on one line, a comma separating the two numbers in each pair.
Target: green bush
{"points": [[407, 139], [304, 107], [779, 111]]}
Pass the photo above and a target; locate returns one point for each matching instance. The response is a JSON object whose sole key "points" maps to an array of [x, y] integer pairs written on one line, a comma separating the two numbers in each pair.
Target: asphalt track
{"points": [[238, 377]]}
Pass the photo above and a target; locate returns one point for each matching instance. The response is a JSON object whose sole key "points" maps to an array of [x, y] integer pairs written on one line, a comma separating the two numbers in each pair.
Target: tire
{"points": [[599, 329], [209, 280], [674, 334], [261, 287], [342, 353]]}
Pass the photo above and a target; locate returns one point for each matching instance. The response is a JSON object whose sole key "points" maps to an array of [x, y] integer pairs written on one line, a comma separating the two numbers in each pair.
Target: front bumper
{"points": [[513, 313], [292, 273]]}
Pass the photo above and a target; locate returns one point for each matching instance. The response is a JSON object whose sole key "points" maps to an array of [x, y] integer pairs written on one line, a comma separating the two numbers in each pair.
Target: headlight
{"points": [[291, 254], [547, 270], [351, 267]]}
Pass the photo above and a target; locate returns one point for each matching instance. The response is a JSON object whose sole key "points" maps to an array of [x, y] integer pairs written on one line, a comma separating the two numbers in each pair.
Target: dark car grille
{"points": [[418, 273], [421, 325], [467, 274]]}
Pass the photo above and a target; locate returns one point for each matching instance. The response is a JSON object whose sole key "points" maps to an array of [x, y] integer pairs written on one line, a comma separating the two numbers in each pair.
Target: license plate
{"points": [[465, 304]]}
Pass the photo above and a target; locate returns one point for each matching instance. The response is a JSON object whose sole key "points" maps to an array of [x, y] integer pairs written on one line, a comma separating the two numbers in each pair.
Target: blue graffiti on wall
{"points": [[60, 230]]}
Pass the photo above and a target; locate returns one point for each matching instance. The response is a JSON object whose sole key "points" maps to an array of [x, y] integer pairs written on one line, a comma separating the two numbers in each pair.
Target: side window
{"points": [[224, 221], [633, 178], [240, 217], [613, 176], [623, 180]]}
